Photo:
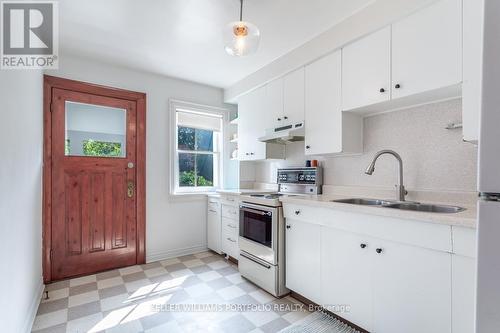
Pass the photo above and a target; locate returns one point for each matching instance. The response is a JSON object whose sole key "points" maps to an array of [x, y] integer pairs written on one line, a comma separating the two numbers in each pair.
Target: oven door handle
{"points": [[243, 254], [245, 209]]}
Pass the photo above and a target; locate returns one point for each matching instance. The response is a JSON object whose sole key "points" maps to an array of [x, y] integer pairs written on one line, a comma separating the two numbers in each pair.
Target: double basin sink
{"points": [[403, 205]]}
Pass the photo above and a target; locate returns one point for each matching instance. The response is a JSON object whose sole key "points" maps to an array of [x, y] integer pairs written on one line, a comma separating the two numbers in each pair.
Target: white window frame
{"points": [[218, 168]]}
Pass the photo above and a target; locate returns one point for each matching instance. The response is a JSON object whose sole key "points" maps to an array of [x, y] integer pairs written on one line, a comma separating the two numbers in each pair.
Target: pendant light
{"points": [[241, 38]]}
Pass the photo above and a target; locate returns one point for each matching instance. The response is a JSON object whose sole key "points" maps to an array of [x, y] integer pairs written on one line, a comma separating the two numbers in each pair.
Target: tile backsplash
{"points": [[434, 158]]}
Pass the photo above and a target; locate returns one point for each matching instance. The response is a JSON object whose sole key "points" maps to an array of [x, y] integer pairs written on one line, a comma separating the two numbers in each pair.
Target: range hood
{"points": [[285, 134]]}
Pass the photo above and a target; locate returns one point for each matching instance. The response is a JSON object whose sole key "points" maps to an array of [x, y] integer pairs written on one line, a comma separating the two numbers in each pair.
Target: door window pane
{"points": [[93, 130]]}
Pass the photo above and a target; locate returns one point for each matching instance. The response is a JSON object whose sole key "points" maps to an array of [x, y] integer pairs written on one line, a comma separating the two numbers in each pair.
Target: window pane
{"points": [[93, 130], [205, 169], [186, 138], [186, 170], [204, 140]]}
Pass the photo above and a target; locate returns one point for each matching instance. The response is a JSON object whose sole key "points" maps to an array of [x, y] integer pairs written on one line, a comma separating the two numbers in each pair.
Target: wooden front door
{"points": [[94, 176]]}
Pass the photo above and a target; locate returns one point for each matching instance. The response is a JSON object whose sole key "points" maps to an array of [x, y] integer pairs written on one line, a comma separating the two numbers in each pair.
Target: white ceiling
{"points": [[183, 38]]}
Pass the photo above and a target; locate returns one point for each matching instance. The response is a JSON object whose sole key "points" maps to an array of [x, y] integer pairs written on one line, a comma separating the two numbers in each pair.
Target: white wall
{"points": [[21, 130], [173, 225], [378, 14], [435, 158]]}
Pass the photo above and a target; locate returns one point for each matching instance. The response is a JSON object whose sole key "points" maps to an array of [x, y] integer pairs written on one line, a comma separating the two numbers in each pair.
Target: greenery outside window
{"points": [[101, 148], [197, 153]]}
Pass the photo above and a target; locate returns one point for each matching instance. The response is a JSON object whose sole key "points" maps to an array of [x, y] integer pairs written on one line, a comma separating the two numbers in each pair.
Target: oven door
{"points": [[259, 231]]}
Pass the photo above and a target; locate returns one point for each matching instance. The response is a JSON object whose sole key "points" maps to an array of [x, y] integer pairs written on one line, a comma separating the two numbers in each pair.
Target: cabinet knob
{"points": [[379, 250], [279, 119], [251, 153], [285, 117], [397, 86], [288, 226], [297, 212], [247, 154], [382, 90], [362, 245], [308, 147]]}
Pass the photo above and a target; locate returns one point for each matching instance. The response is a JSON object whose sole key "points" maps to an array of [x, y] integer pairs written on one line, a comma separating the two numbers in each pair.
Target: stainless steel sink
{"points": [[364, 202], [426, 207], [413, 206]]}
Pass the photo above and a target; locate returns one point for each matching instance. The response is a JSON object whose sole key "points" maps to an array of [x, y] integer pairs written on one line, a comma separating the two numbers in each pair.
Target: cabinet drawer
{"points": [[230, 244], [406, 231], [464, 241], [231, 226], [231, 200], [230, 212]]}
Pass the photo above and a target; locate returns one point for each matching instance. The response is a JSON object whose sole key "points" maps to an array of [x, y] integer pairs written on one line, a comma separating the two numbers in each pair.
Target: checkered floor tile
{"points": [[194, 293]]}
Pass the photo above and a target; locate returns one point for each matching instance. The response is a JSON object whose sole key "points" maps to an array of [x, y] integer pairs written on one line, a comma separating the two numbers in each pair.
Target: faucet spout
{"points": [[371, 168]]}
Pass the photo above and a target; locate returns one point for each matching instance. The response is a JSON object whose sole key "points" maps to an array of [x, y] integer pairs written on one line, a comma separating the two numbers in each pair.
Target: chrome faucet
{"points": [[371, 168]]}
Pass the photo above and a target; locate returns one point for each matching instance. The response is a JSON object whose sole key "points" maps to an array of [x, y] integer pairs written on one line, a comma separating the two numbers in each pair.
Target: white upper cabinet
{"points": [[427, 49], [274, 105], [327, 129], [366, 70], [253, 114], [293, 96], [473, 60]]}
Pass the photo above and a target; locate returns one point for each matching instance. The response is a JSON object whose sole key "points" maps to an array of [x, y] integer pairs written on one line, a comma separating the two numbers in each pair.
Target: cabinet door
{"points": [[251, 108], [411, 289], [293, 96], [473, 74], [366, 70], [323, 115], [463, 298], [346, 275], [303, 259], [274, 104], [244, 129], [427, 49], [214, 227]]}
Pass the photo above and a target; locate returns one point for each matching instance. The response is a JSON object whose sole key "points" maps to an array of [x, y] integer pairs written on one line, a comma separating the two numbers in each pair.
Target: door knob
{"points": [[130, 165], [130, 189]]}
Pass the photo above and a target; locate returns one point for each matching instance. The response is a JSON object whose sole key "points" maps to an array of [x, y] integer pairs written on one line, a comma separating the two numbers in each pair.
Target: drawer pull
{"points": [[229, 239], [231, 226], [297, 212], [379, 250], [254, 260], [362, 246], [212, 211], [288, 226]]}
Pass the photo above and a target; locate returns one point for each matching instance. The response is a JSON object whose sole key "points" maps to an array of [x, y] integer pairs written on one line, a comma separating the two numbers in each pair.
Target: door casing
{"points": [[52, 82]]}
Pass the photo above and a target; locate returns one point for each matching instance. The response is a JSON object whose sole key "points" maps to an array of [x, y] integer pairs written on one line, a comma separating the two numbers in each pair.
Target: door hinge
{"points": [[51, 253]]}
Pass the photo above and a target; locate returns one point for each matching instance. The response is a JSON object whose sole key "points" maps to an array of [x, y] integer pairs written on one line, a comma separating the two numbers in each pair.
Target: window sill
{"points": [[190, 196]]}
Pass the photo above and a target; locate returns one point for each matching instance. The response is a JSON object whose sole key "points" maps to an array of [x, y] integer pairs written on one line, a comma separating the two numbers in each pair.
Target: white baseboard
{"points": [[162, 255], [30, 318]]}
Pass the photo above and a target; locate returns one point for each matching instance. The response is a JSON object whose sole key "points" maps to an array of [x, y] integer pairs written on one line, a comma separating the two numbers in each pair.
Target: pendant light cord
{"points": [[241, 10]]}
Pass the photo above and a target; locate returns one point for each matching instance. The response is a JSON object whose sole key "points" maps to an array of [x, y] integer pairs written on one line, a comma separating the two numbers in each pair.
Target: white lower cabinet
{"points": [[345, 276], [303, 258], [376, 273], [411, 289], [214, 225]]}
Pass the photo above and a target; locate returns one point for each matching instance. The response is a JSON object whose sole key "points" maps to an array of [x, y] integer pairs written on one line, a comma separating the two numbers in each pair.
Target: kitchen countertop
{"points": [[240, 191], [466, 218]]}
